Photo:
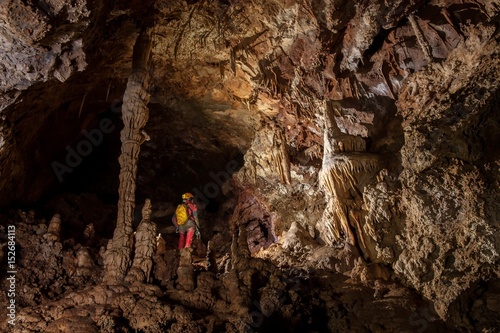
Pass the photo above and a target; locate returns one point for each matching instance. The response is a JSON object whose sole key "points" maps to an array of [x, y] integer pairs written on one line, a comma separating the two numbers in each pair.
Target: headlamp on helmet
{"points": [[187, 196]]}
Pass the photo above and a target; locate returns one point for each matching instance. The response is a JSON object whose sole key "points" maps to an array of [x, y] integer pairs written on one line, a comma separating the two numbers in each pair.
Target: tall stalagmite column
{"points": [[135, 115]]}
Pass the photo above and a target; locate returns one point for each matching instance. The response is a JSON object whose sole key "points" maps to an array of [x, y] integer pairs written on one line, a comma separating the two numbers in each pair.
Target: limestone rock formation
{"points": [[344, 156], [54, 230], [447, 239], [268, 157], [185, 275], [345, 171], [135, 116], [40, 41], [144, 248], [84, 263]]}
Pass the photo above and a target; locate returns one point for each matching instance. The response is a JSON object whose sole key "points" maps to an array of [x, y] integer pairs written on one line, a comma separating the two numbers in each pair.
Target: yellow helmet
{"points": [[187, 196]]}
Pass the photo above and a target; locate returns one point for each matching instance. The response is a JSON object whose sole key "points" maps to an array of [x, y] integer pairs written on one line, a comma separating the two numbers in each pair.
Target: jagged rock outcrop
{"points": [[40, 41], [450, 179]]}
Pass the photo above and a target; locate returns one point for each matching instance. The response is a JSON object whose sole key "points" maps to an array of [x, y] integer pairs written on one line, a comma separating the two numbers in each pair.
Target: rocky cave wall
{"points": [[362, 135]]}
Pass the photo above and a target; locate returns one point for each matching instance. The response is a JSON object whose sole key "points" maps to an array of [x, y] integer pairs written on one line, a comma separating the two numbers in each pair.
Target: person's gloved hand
{"points": [[177, 230], [198, 234]]}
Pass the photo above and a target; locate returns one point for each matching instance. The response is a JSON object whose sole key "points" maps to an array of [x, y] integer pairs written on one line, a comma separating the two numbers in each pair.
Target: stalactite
{"points": [[281, 157], [145, 246], [135, 115], [348, 143], [424, 45], [340, 172]]}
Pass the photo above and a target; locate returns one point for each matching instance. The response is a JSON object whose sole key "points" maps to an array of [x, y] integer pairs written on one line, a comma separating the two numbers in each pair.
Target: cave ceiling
{"points": [[221, 70]]}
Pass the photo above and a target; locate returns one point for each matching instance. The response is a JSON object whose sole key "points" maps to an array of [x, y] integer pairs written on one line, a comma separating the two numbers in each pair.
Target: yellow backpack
{"points": [[181, 213]]}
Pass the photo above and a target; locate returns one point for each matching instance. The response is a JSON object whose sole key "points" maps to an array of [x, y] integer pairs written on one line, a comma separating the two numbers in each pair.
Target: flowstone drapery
{"points": [[346, 169], [267, 157], [135, 115]]}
